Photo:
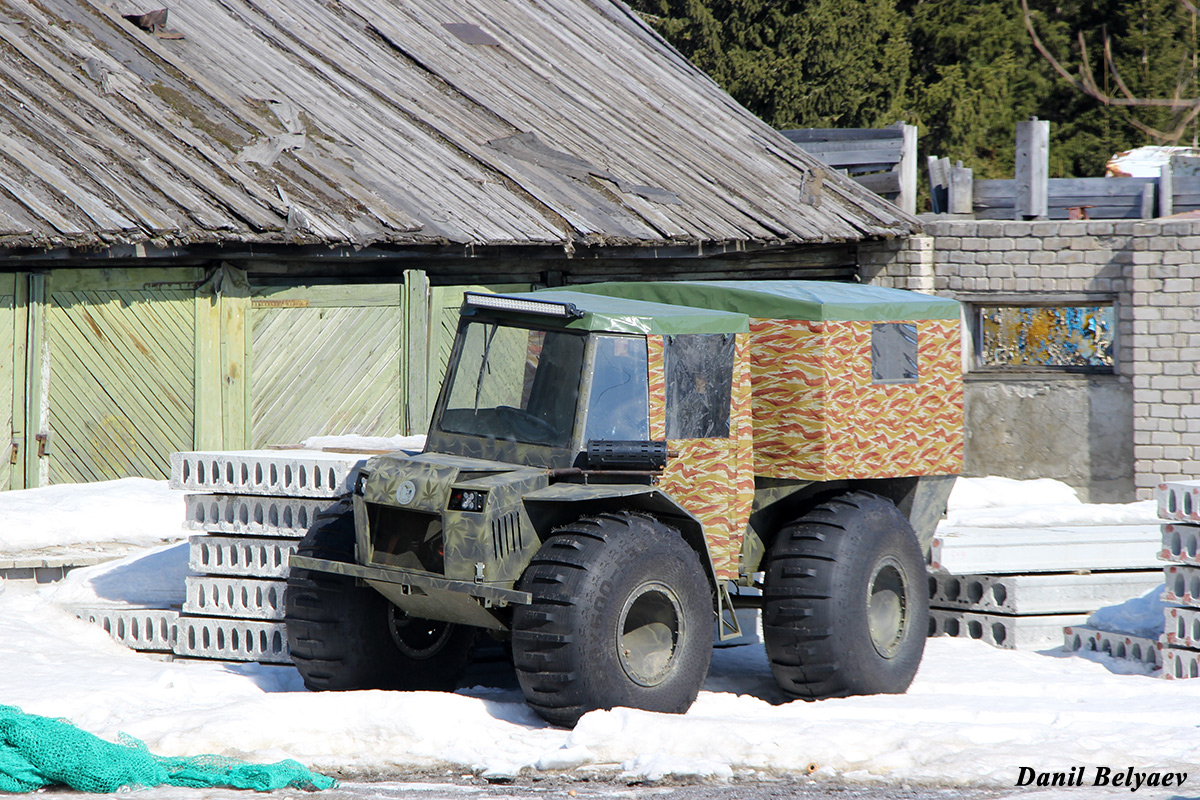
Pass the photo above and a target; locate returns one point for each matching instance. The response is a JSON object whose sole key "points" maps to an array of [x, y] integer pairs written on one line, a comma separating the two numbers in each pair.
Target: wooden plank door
{"points": [[326, 360], [118, 394], [12, 386]]}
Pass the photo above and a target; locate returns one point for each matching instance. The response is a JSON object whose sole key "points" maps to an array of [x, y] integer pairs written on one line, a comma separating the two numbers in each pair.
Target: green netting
{"points": [[38, 751]]}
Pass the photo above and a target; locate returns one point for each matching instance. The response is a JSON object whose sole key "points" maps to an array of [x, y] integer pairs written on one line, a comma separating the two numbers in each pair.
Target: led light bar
{"points": [[499, 302]]}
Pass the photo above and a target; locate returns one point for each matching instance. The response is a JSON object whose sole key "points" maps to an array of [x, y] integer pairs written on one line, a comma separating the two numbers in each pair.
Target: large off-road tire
{"points": [[845, 602], [344, 636], [622, 615]]}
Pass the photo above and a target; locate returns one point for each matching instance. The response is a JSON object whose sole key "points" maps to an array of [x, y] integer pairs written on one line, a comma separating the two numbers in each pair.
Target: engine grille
{"points": [[506, 534], [408, 539]]}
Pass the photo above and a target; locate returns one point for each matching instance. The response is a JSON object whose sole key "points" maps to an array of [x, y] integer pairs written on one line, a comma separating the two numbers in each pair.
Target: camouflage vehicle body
{"points": [[722, 410]]}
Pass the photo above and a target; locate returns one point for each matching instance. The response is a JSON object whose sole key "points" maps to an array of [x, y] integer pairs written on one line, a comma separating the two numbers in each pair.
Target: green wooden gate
{"points": [[113, 370], [326, 360], [120, 374]]}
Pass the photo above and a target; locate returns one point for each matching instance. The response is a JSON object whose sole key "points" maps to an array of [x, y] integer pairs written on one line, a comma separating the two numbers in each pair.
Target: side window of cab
{"points": [[619, 405], [699, 376]]}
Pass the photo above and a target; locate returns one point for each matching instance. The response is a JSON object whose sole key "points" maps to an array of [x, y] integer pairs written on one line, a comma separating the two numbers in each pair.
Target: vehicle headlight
{"points": [[467, 500]]}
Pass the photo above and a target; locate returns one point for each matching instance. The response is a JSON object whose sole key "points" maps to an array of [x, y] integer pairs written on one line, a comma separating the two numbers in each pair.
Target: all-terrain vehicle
{"points": [[610, 473]]}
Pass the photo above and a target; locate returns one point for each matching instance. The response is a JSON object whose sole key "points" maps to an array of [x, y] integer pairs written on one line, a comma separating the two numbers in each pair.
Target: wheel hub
{"points": [[887, 617], [649, 633], [415, 637]]}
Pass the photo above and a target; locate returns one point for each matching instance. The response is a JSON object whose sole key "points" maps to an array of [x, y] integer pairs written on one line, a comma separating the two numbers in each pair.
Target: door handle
{"points": [[12, 455]]}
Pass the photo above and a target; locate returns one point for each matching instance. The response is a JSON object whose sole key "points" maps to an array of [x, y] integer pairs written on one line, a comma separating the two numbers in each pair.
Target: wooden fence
{"points": [[883, 160], [1032, 194]]}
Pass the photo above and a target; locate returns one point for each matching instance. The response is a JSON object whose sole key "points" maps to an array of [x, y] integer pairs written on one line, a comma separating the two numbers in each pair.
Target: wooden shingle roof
{"points": [[565, 123]]}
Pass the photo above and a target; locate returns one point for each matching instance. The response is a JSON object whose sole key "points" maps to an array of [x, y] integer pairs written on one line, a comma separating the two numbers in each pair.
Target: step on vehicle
{"points": [[612, 472]]}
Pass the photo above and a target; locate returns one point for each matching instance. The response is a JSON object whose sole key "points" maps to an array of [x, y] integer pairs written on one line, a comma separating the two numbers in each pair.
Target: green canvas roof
{"points": [[622, 315], [781, 299]]}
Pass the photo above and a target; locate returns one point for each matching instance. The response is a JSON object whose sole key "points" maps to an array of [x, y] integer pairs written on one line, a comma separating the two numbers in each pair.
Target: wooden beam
{"points": [[1166, 191], [907, 168], [207, 427], [961, 190], [235, 358], [36, 375], [415, 348], [1032, 169]]}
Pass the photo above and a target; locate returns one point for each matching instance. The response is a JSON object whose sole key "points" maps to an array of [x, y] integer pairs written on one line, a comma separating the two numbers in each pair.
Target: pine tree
{"points": [[965, 71], [971, 67], [797, 63]]}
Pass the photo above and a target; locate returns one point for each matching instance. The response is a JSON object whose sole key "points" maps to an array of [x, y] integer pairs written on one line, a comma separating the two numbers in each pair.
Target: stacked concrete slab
{"points": [[1179, 507], [250, 511], [1178, 648], [1018, 587]]}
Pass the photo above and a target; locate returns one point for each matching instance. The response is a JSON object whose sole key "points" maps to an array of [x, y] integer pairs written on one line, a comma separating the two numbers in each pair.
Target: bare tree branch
{"points": [[1186, 109]]}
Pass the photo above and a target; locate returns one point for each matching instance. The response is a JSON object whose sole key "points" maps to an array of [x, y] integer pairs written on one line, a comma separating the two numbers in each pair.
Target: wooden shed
{"points": [[232, 224]]}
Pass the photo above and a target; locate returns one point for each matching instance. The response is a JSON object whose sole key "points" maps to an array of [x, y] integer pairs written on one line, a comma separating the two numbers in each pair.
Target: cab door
{"points": [[700, 403]]}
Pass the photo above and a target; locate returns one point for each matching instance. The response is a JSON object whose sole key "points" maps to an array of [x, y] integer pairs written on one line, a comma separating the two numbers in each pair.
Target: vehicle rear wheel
{"points": [[343, 636], [845, 603], [622, 615]]}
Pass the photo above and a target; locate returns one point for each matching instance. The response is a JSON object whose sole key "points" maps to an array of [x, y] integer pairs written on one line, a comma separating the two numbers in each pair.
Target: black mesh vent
{"points": [[404, 538]]}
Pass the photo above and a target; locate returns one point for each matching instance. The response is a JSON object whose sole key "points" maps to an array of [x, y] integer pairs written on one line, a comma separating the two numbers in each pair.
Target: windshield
{"points": [[514, 383]]}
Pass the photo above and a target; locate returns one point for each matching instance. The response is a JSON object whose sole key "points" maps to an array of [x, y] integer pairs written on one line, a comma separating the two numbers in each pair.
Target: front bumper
{"points": [[428, 596]]}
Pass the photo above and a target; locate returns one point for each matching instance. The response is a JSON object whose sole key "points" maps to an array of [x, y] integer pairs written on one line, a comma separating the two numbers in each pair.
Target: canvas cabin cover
{"points": [[845, 381]]}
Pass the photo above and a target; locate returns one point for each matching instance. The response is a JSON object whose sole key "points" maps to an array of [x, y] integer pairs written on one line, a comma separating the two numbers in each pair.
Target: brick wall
{"points": [[1147, 414]]}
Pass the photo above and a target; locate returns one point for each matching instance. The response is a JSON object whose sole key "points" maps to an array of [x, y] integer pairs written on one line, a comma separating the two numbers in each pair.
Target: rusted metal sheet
{"points": [[301, 122]]}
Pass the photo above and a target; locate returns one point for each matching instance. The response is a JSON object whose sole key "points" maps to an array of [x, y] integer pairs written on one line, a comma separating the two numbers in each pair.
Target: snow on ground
{"points": [[974, 716], [65, 519]]}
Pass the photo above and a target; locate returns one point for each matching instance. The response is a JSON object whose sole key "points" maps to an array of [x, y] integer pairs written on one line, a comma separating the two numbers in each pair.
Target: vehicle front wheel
{"points": [[622, 615], [343, 636], [845, 602]]}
